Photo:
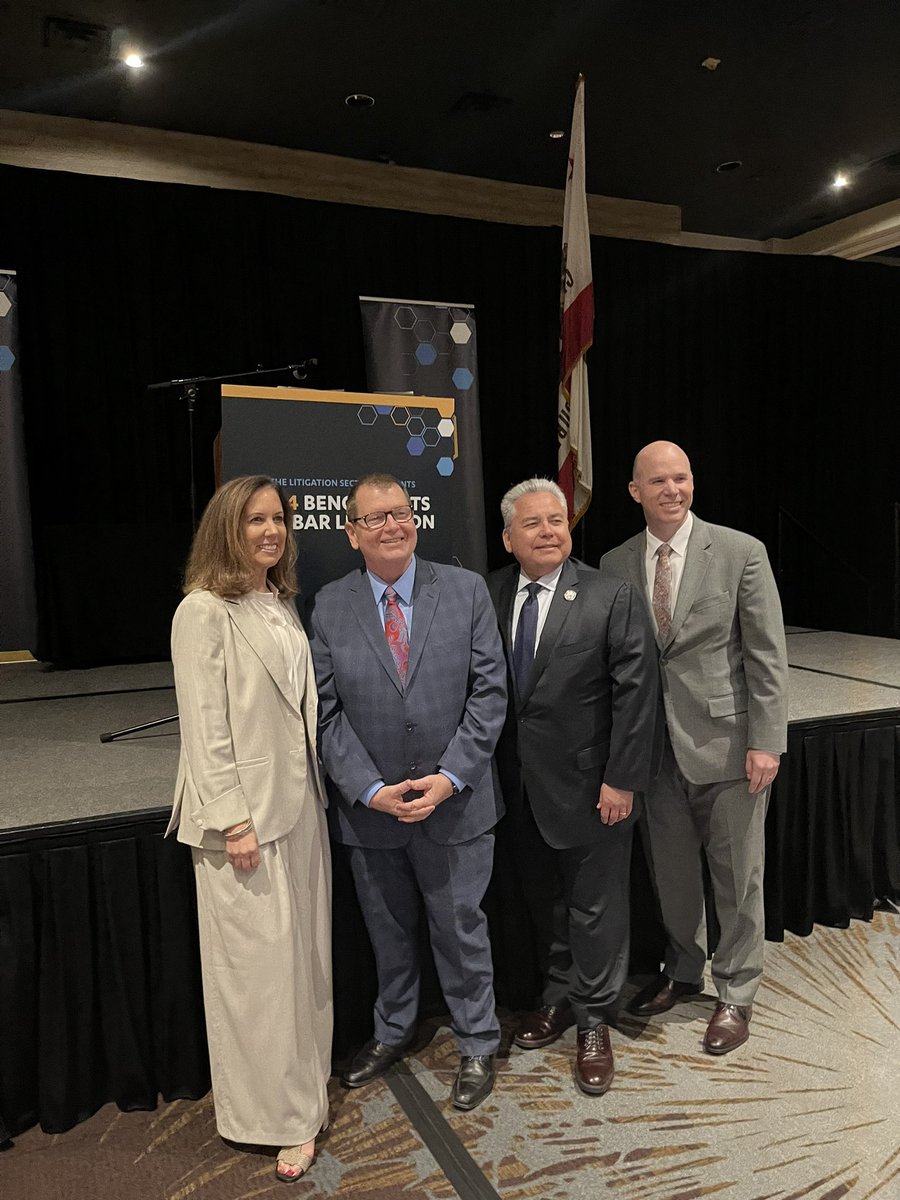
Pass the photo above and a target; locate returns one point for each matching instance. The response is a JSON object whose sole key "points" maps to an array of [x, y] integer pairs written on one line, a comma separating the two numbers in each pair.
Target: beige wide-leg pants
{"points": [[265, 947]]}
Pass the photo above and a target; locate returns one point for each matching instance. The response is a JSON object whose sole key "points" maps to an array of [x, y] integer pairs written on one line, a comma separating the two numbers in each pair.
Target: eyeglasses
{"points": [[375, 520]]}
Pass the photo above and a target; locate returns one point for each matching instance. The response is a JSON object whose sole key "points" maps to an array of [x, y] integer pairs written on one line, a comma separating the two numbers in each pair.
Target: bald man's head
{"points": [[662, 483]]}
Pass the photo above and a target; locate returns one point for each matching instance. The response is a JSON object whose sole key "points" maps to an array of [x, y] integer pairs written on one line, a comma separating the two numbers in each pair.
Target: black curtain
{"points": [[99, 973], [99, 965], [775, 373], [833, 844]]}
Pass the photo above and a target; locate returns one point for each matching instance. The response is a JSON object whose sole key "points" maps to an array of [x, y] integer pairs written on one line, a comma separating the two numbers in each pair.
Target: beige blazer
{"points": [[247, 750], [723, 666]]}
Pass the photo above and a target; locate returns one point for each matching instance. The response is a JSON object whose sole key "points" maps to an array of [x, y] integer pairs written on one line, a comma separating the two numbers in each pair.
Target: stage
{"points": [[99, 979], [55, 769]]}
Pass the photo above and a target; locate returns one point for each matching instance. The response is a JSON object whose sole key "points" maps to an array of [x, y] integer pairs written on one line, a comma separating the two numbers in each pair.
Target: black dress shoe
{"points": [[474, 1082], [661, 995], [373, 1060], [544, 1026]]}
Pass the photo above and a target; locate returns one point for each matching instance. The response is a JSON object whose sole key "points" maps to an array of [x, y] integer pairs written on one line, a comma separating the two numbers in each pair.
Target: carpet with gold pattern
{"points": [[808, 1108]]}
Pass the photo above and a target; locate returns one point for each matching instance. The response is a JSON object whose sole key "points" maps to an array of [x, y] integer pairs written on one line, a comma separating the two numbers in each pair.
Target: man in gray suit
{"points": [[723, 662], [412, 689], [576, 747]]}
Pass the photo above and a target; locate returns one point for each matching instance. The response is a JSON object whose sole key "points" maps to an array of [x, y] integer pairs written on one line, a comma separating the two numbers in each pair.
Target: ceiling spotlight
{"points": [[732, 164], [134, 61], [840, 181], [556, 134], [359, 100]]}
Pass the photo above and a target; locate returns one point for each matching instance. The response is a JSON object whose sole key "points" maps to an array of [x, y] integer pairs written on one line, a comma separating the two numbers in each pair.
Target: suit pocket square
{"points": [[727, 706]]}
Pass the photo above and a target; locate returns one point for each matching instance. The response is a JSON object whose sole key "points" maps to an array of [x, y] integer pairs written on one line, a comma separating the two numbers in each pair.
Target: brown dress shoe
{"points": [[594, 1066], [728, 1028], [661, 995], [543, 1027]]}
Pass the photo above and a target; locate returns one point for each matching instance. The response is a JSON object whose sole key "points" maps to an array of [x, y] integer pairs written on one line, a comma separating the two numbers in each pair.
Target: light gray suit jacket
{"points": [[247, 749], [449, 714], [724, 663]]}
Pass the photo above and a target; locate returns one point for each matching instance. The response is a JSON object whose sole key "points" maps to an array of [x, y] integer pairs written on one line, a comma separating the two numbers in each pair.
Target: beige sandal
{"points": [[293, 1156]]}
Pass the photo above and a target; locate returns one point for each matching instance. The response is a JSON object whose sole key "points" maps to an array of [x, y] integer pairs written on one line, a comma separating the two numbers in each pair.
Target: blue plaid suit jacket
{"points": [[449, 713]]}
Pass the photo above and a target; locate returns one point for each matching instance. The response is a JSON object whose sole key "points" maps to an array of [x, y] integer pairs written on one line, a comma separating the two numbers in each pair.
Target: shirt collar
{"points": [[678, 541], [403, 587], [548, 581]]}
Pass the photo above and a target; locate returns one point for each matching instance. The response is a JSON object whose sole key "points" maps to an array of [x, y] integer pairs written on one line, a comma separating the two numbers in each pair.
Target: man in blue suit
{"points": [[412, 687]]}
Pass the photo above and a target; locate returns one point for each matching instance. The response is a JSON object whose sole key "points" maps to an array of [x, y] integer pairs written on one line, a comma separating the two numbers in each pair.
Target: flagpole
{"points": [[576, 330]]}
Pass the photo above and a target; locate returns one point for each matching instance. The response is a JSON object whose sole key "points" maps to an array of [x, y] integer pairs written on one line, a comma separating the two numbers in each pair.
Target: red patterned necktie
{"points": [[396, 632], [662, 591]]}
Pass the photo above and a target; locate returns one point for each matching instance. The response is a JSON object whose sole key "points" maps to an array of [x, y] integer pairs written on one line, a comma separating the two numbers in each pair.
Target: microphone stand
{"points": [[189, 388], [188, 391]]}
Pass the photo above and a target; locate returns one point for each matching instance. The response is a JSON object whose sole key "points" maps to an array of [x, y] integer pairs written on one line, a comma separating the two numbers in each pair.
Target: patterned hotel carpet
{"points": [[809, 1108]]}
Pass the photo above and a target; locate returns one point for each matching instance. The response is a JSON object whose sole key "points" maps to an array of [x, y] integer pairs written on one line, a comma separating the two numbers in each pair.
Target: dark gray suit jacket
{"points": [[448, 715], [588, 714]]}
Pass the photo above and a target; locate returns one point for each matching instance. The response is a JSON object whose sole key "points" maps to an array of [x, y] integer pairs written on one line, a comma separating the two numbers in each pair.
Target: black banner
{"points": [[428, 348], [316, 444], [18, 623]]}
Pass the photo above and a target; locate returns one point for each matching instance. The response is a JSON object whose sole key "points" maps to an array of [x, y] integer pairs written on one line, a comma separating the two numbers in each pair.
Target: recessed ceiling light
{"points": [[134, 61], [359, 100], [840, 181], [732, 164], [556, 134]]}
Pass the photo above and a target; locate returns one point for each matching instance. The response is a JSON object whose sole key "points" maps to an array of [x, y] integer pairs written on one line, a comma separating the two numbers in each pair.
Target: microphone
{"points": [[301, 370]]}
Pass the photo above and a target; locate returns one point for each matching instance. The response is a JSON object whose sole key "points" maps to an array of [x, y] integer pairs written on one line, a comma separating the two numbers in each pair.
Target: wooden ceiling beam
{"points": [[134, 152], [857, 236]]}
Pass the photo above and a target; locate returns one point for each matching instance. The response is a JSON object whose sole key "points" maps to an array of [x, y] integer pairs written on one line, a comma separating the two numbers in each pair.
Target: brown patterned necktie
{"points": [[662, 591]]}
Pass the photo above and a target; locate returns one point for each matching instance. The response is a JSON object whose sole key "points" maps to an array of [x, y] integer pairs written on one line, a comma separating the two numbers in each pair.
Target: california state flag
{"points": [[576, 475]]}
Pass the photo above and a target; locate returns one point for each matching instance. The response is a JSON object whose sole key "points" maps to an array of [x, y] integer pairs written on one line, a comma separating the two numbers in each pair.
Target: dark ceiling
{"points": [[473, 87]]}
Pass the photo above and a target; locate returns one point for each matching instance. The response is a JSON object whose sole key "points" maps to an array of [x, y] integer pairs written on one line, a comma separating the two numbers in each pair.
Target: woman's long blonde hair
{"points": [[219, 561]]}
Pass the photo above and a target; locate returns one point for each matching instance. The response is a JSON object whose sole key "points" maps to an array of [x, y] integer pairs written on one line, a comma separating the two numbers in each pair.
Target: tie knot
{"points": [[391, 594], [665, 550], [532, 589]]}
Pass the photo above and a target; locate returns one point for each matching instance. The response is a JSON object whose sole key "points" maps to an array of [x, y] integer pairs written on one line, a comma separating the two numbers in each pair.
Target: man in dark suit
{"points": [[576, 747], [715, 607], [411, 680]]}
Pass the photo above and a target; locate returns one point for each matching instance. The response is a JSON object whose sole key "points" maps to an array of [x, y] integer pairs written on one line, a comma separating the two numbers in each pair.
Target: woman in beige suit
{"points": [[250, 803]]}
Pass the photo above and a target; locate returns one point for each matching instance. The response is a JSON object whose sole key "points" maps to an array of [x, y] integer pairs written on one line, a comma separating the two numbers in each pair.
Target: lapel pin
{"points": [[570, 594]]}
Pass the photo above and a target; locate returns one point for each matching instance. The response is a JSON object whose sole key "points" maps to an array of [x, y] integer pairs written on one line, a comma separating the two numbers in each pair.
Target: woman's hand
{"points": [[243, 852]]}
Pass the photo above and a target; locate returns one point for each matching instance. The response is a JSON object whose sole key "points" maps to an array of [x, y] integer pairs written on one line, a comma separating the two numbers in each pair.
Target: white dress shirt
{"points": [[544, 597], [679, 543]]}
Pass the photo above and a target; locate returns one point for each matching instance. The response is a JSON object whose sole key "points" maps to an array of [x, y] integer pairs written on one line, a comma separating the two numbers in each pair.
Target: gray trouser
{"points": [[729, 825]]}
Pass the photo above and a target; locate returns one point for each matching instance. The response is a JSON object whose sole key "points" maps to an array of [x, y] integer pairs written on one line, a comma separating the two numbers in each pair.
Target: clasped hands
{"points": [[435, 789]]}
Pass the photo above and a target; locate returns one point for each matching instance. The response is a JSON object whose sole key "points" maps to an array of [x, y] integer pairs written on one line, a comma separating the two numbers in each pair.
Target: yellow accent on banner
{"points": [[445, 405]]}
